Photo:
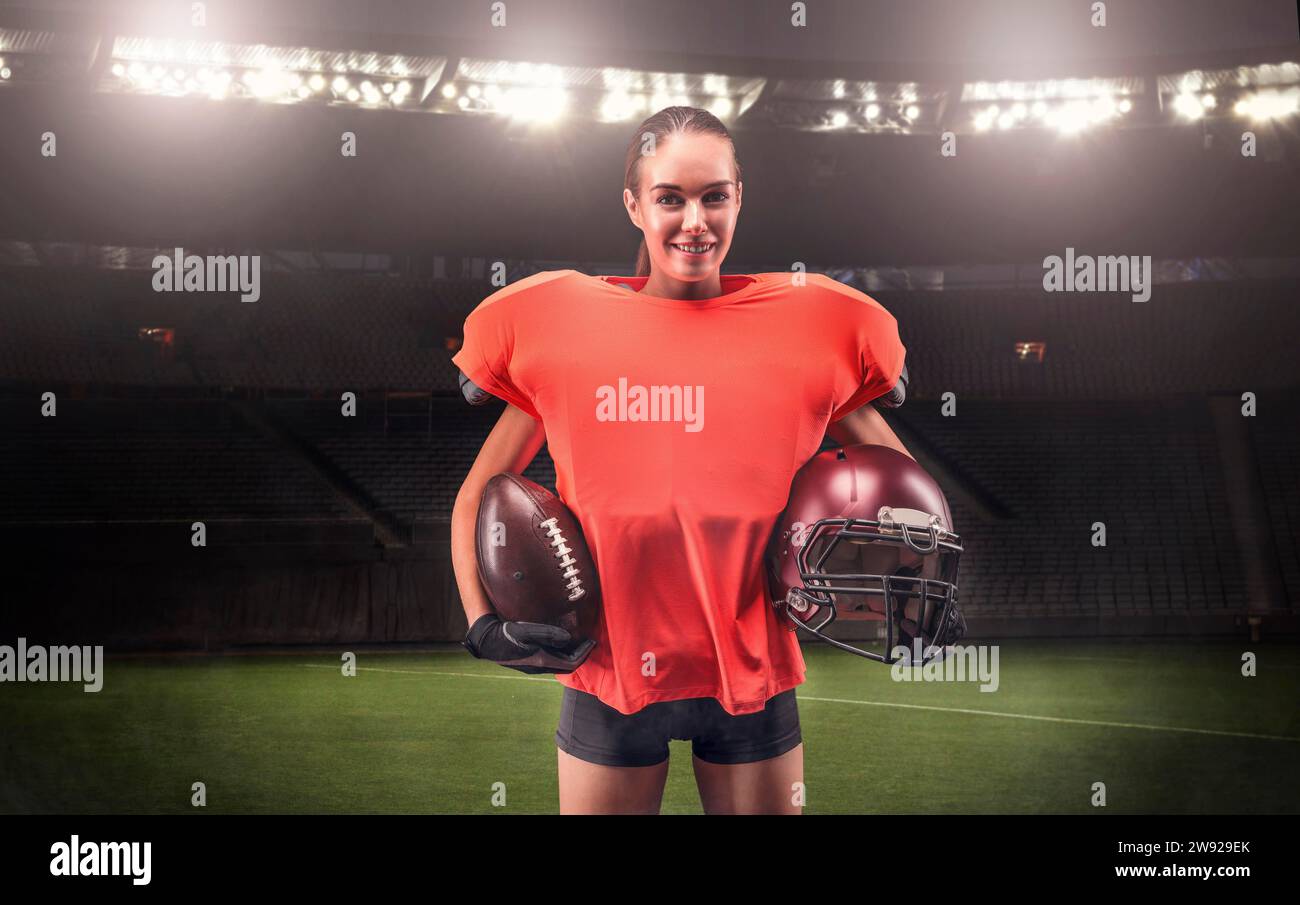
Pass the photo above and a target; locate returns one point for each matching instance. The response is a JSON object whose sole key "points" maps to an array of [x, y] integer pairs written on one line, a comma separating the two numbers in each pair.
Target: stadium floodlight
{"points": [[848, 105], [275, 74], [541, 92], [1069, 104], [1047, 89], [1272, 104], [1073, 117], [721, 107], [1259, 92], [29, 56], [533, 103], [1188, 107], [1103, 108], [552, 102], [618, 106]]}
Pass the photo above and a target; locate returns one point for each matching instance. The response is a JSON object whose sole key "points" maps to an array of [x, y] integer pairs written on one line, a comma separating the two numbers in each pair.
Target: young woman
{"points": [[677, 404]]}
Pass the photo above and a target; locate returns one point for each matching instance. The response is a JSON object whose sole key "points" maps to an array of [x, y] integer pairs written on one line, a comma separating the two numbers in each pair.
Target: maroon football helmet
{"points": [[867, 534]]}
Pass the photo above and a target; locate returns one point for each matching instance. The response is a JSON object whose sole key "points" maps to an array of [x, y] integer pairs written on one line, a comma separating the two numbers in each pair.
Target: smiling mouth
{"points": [[695, 250]]}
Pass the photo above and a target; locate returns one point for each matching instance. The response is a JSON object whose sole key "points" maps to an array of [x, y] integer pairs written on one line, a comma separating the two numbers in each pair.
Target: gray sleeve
{"points": [[894, 398], [473, 394]]}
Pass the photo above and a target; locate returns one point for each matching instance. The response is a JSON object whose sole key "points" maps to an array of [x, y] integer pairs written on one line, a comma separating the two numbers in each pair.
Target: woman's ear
{"points": [[633, 209], [740, 188]]}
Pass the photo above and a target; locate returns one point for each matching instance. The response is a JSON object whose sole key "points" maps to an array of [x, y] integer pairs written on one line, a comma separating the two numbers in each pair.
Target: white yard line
{"points": [[801, 697]]}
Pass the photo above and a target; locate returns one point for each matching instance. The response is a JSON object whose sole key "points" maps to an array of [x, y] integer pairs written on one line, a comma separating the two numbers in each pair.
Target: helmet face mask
{"points": [[857, 563], [899, 566], [904, 576]]}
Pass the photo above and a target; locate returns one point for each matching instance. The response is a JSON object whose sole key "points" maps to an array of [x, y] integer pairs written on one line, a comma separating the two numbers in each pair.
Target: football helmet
{"points": [[867, 534]]}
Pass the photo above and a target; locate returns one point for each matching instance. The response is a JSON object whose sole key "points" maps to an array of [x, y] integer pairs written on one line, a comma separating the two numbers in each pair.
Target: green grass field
{"points": [[432, 733]]}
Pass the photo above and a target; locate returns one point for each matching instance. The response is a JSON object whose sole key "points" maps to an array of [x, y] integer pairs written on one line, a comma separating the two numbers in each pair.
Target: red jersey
{"points": [[676, 428]]}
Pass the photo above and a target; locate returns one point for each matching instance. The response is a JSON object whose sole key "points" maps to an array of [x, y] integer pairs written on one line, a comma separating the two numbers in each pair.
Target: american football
{"points": [[533, 559]]}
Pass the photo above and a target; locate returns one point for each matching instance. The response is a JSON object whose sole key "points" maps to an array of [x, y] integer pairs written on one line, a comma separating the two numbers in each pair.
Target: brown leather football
{"points": [[533, 559]]}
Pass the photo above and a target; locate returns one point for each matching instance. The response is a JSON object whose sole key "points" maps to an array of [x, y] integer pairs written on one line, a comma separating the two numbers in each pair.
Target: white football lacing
{"points": [[567, 564]]}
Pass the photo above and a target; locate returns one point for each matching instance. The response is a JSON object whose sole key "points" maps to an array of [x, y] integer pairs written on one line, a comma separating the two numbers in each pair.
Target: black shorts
{"points": [[593, 731]]}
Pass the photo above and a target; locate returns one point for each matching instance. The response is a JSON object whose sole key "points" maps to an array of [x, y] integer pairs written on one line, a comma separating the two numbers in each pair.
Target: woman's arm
{"points": [[865, 425], [512, 444]]}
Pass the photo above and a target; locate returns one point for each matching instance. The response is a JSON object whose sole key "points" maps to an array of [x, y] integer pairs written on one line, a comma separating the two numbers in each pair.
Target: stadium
{"points": [[236, 498]]}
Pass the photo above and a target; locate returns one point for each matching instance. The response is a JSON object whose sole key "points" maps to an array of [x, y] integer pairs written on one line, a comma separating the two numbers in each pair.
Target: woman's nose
{"points": [[694, 217]]}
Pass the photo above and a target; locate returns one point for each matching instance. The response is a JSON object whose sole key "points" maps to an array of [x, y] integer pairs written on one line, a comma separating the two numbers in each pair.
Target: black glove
{"points": [[526, 646]]}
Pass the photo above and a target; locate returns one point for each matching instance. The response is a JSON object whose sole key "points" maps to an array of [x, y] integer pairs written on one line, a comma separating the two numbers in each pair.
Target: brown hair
{"points": [[667, 122]]}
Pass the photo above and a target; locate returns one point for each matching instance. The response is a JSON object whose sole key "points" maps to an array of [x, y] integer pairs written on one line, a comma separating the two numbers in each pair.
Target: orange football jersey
{"points": [[676, 427]]}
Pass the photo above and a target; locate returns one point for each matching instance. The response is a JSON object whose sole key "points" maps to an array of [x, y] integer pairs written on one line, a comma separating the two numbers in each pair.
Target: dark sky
{"points": [[902, 30], [957, 31]]}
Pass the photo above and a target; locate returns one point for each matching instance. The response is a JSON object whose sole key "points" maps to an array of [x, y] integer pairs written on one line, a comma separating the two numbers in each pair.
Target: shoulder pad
{"points": [[894, 398], [474, 394]]}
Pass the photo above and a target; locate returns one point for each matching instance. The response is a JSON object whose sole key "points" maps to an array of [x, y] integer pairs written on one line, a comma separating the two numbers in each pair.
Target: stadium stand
{"points": [[239, 420], [1147, 470], [310, 332], [132, 459], [1277, 445]]}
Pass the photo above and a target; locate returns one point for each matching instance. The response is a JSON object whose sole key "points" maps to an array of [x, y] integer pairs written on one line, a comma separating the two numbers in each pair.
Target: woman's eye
{"points": [[717, 196]]}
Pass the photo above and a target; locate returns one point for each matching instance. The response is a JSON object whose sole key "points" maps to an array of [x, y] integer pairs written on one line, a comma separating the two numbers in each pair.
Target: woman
{"points": [[677, 404]]}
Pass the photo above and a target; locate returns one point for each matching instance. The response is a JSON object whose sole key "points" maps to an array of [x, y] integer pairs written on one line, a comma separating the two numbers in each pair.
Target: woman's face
{"points": [[687, 197]]}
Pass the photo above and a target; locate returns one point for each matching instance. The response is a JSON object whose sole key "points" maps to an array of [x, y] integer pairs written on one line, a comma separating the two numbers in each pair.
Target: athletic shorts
{"points": [[593, 731]]}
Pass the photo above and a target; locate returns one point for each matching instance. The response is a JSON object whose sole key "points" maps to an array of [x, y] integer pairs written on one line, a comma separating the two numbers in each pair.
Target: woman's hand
{"points": [[529, 647]]}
